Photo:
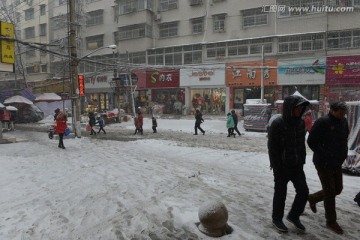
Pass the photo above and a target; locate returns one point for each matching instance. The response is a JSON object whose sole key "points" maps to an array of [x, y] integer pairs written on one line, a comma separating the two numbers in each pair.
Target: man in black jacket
{"points": [[328, 140], [287, 152], [198, 120], [235, 118]]}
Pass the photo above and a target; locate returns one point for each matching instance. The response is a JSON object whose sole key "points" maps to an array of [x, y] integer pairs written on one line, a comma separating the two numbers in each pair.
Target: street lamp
{"points": [[75, 99]]}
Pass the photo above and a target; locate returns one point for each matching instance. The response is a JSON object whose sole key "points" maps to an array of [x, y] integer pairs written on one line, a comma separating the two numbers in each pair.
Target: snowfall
{"points": [[151, 186]]}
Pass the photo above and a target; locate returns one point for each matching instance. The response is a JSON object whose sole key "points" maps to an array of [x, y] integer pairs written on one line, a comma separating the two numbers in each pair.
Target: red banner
{"points": [[344, 69]]}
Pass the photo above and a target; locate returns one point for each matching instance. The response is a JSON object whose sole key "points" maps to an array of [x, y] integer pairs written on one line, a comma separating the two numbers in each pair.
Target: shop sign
{"points": [[344, 69], [162, 78], [97, 81], [249, 73], [7, 47], [203, 75], [301, 71]]}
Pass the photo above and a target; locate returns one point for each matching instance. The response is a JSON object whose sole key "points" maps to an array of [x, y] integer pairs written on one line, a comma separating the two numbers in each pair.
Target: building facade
{"points": [[192, 33]]}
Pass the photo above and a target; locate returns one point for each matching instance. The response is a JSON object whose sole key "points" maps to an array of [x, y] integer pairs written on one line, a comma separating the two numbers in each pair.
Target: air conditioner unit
{"points": [[157, 17], [195, 2]]}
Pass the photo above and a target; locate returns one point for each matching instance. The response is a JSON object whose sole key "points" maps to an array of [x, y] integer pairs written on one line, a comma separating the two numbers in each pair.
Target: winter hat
{"points": [[57, 110], [233, 111], [338, 106]]}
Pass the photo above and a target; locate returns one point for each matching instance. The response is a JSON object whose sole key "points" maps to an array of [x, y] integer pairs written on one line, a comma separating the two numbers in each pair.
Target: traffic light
{"points": [[81, 85]]}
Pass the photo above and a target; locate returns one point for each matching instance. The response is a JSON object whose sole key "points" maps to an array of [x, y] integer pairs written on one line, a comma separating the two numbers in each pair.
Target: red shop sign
{"points": [[162, 79]]}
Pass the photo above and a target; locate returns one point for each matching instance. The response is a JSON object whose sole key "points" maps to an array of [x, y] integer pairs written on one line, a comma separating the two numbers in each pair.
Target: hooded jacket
{"points": [[328, 140], [286, 137]]}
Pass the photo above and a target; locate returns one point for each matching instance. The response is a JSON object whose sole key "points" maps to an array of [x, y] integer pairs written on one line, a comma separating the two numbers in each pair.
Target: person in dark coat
{"points": [[198, 120], [101, 123], [61, 125], [287, 153], [92, 122], [154, 124], [235, 117], [328, 139]]}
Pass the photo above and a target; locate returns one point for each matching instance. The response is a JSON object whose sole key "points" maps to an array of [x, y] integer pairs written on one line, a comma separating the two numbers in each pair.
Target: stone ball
{"points": [[213, 217]]}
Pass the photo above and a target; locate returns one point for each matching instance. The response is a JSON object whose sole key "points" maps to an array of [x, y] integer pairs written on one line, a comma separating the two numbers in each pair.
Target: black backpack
{"points": [[357, 199]]}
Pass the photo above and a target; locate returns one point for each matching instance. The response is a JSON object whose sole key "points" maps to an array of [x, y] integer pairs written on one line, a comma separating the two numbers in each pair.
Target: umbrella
{"points": [[47, 97], [17, 99], [11, 108], [1, 106]]}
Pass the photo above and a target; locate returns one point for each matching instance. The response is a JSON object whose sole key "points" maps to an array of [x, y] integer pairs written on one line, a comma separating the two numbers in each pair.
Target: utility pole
{"points": [[75, 97], [262, 74], [131, 86]]}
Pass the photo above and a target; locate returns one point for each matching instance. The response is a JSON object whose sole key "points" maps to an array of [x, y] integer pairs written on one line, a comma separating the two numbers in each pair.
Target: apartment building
{"points": [[208, 53]]}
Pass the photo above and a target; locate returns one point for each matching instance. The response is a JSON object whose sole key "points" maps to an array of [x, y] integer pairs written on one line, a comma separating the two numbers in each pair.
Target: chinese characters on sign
{"points": [[7, 47]]}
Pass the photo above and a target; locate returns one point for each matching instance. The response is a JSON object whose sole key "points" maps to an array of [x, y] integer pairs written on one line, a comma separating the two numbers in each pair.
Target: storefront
{"points": [[165, 90], [306, 75], [244, 81], [99, 96], [204, 89], [342, 79]]}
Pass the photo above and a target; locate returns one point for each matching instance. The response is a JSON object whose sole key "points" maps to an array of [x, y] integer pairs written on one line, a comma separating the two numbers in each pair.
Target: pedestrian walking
{"points": [[328, 140], [101, 123], [230, 125], [154, 124], [198, 120], [235, 117], [287, 152], [138, 121], [308, 121], [61, 125], [92, 122]]}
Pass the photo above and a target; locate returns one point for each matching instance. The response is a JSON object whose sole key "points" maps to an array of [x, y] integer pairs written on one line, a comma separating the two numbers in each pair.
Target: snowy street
{"points": [[126, 186]]}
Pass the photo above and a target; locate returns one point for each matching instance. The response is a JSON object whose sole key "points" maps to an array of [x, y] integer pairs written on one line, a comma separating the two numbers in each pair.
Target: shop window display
{"points": [[210, 101], [172, 100], [97, 102]]}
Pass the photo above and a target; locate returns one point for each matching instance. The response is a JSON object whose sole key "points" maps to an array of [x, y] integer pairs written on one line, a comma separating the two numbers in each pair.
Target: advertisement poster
{"points": [[343, 69], [306, 71]]}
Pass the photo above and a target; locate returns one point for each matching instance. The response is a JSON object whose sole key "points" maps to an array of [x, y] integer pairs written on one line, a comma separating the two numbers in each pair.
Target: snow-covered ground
{"points": [[150, 187]]}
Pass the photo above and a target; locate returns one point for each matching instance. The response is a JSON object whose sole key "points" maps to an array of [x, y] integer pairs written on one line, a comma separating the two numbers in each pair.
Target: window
{"points": [[42, 9], [62, 2], [133, 31], [219, 22], [165, 5], [95, 18], [30, 52], [29, 32], [59, 22], [193, 54], [168, 29], [254, 17], [156, 56], [197, 25], [216, 50], [343, 39], [173, 56], [18, 17], [29, 14], [95, 42], [43, 29], [129, 6], [238, 48], [309, 42]]}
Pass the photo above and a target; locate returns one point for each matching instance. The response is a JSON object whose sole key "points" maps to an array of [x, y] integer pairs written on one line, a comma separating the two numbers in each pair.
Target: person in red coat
{"points": [[139, 123], [308, 121], [60, 128]]}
